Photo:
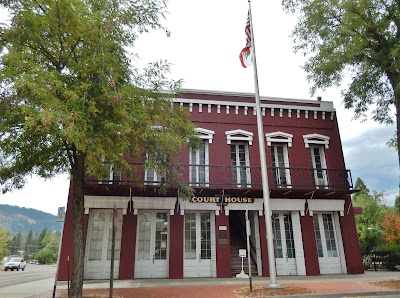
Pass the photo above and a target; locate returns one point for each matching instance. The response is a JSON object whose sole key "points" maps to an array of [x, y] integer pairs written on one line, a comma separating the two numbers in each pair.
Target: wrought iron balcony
{"points": [[242, 177]]}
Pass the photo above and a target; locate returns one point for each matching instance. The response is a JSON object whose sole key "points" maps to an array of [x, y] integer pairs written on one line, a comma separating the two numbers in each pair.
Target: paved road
{"points": [[34, 280]]}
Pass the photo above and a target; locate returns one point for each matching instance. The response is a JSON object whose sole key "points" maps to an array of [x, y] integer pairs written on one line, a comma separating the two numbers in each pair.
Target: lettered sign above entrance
{"points": [[220, 200]]}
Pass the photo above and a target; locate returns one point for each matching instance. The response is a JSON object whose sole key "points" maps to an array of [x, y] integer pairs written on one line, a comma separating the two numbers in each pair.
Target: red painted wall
{"points": [[128, 247], [176, 246], [309, 245], [350, 240], [67, 248], [224, 250], [263, 246], [67, 241]]}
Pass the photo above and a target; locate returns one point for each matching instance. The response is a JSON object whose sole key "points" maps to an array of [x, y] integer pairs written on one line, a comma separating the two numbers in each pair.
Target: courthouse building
{"points": [[163, 236]]}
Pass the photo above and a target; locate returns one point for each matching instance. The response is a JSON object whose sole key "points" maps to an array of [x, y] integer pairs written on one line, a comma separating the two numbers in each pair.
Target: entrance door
{"points": [[98, 253], [198, 245], [152, 245], [285, 256], [325, 235]]}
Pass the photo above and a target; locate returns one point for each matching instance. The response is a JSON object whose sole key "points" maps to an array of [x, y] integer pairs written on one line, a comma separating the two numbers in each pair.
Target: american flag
{"points": [[245, 54]]}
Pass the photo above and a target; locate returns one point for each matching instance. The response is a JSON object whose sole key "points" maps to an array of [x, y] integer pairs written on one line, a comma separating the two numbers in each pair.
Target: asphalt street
{"points": [[36, 279]]}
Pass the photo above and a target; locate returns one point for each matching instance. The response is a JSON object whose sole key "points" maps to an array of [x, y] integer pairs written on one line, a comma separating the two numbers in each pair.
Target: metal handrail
{"points": [[228, 176]]}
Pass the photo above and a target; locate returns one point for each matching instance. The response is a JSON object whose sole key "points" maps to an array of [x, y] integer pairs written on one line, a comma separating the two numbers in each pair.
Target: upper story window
{"points": [[114, 175], [279, 143], [317, 144], [154, 176], [199, 159], [240, 140]]}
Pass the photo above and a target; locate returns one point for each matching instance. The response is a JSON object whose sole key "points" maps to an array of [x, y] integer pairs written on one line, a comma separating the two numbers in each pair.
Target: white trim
{"points": [[279, 137], [256, 235], [288, 205], [205, 134], [239, 135], [316, 138], [187, 205], [298, 243], [107, 202], [301, 104], [326, 205], [340, 242], [257, 205]]}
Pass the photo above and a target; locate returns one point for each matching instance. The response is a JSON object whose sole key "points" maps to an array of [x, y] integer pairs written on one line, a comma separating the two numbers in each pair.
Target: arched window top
{"points": [[205, 134], [239, 135], [317, 139], [279, 137]]}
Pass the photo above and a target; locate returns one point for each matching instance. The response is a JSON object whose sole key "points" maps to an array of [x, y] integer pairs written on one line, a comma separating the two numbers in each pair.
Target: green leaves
{"points": [[356, 37], [67, 86]]}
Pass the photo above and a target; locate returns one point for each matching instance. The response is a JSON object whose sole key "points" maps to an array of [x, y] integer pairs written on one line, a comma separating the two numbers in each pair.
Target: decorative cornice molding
{"points": [[279, 137], [239, 135], [316, 138], [289, 109]]}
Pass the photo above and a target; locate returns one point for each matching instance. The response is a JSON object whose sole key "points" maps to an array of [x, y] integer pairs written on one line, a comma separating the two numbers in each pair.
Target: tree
{"points": [[28, 244], [39, 240], [391, 228], [4, 243], [360, 38], [368, 223], [71, 98], [17, 244], [397, 205], [49, 251]]}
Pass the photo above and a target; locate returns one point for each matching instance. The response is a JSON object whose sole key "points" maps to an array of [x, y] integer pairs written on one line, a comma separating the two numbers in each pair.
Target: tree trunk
{"points": [[78, 178]]}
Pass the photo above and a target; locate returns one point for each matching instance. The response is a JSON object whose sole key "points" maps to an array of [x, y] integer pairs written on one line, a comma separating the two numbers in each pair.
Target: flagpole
{"points": [[264, 175]]}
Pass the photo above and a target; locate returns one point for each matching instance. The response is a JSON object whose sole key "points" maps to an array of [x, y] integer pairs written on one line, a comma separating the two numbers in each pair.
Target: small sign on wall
{"points": [[60, 214], [242, 253]]}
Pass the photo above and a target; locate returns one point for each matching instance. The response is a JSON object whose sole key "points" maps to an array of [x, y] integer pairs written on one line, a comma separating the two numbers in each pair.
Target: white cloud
{"points": [[369, 158]]}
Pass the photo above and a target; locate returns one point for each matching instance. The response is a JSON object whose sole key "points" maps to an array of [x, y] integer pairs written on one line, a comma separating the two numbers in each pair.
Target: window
{"points": [[240, 140], [317, 144], [240, 164], [280, 165], [205, 231], [319, 166], [115, 175], [152, 176], [279, 142], [118, 235], [198, 168], [101, 234]]}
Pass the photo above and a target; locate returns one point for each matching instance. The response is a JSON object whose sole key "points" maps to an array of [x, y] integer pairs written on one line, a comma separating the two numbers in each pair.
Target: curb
{"points": [[343, 295]]}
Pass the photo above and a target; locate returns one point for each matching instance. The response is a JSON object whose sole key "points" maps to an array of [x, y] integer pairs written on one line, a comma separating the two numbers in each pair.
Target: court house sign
{"points": [[221, 200]]}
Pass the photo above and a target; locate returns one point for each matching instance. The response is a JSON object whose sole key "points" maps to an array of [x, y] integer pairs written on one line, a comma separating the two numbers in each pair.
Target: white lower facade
{"points": [[153, 235]]}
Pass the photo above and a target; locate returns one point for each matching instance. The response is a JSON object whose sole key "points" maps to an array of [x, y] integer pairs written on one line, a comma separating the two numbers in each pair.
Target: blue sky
{"points": [[206, 38]]}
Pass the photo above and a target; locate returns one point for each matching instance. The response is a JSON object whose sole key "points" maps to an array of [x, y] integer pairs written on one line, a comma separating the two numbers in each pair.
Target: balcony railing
{"points": [[226, 176]]}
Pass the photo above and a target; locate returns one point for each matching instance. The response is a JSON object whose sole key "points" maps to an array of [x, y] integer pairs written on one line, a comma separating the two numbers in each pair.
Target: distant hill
{"points": [[18, 219]]}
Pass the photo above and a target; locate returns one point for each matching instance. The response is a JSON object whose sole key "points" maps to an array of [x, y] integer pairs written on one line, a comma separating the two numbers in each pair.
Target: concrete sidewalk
{"points": [[322, 286]]}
